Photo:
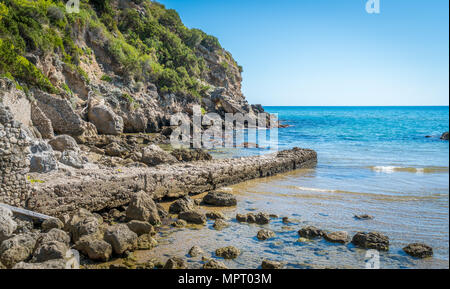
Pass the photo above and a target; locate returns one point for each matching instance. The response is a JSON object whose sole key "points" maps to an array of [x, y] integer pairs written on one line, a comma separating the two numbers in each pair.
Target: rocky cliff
{"points": [[116, 66]]}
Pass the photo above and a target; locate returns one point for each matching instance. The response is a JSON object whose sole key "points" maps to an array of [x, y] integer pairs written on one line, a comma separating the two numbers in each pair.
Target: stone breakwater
{"points": [[97, 190]]}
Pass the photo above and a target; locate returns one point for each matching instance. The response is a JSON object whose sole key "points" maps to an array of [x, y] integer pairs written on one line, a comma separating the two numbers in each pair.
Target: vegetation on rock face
{"points": [[146, 42]]}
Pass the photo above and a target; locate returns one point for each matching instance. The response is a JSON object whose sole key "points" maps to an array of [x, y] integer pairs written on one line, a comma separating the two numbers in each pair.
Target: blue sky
{"points": [[331, 52]]}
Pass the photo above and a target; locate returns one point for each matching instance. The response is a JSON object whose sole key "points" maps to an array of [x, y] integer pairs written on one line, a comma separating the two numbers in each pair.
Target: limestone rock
{"points": [[215, 215], [220, 224], [195, 251], [229, 252], [265, 234], [95, 249], [64, 142], [140, 227], [143, 208], [105, 120], [311, 232], [121, 238], [214, 264], [175, 263], [267, 264], [42, 158], [17, 249], [220, 199], [337, 237], [419, 250], [182, 205], [7, 224], [153, 155], [146, 242], [50, 251], [372, 240], [191, 155], [52, 223], [193, 217]]}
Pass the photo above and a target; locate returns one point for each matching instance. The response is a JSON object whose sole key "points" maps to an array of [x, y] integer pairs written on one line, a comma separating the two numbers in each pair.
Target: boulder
{"points": [[182, 205], [72, 159], [53, 235], [115, 150], [229, 252], [121, 238], [193, 217], [95, 249], [419, 250], [214, 264], [220, 224], [24, 224], [42, 158], [372, 240], [140, 227], [50, 251], [153, 155], [17, 249], [175, 263], [241, 218], [195, 251], [215, 215], [143, 208], [265, 234], [52, 223], [7, 224], [63, 143], [311, 232], [220, 199], [445, 136], [337, 237], [267, 264], [87, 226], [146, 242], [105, 120]]}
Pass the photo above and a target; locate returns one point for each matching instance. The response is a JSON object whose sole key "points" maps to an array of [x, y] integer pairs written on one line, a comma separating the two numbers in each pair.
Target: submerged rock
{"points": [[262, 219], [146, 242], [267, 264], [311, 232], [179, 224], [364, 217], [445, 136], [215, 215], [265, 234], [229, 252], [372, 240], [419, 250], [220, 199]]}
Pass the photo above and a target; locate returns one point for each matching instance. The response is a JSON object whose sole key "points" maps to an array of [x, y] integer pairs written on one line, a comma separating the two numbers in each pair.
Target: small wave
{"points": [[393, 169], [315, 190]]}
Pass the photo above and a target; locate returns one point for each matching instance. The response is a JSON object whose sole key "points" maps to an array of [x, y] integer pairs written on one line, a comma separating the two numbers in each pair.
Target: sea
{"points": [[387, 162]]}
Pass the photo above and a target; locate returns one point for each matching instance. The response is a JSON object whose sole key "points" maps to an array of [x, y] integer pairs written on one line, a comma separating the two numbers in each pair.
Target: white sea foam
{"points": [[315, 190]]}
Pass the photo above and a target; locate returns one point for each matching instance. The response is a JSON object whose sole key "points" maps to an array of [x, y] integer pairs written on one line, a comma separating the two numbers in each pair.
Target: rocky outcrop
{"points": [[110, 188], [105, 120]]}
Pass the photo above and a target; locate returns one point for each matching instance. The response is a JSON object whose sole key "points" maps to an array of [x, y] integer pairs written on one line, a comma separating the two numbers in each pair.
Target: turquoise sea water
{"points": [[371, 160]]}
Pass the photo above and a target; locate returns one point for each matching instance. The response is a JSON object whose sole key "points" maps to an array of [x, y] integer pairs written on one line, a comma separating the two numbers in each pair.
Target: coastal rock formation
{"points": [[419, 250], [372, 240], [109, 188]]}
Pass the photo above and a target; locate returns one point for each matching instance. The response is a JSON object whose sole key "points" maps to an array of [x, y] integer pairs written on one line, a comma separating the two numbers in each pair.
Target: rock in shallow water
{"points": [[193, 217], [215, 215], [419, 250], [220, 224], [220, 199], [175, 263], [311, 232], [214, 264], [121, 238], [364, 217], [195, 251], [372, 240], [267, 264], [95, 249], [182, 205], [229, 252], [265, 234], [140, 227], [337, 237]]}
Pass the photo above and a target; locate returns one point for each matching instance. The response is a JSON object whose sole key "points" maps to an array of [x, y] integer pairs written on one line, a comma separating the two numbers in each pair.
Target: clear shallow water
{"points": [[371, 160]]}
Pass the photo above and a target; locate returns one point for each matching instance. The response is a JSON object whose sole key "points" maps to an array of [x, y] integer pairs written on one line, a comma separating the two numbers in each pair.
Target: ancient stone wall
{"points": [[14, 186]]}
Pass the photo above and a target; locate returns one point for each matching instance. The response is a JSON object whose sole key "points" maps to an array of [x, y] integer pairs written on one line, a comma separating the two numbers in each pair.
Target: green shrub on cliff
{"points": [[152, 46]]}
